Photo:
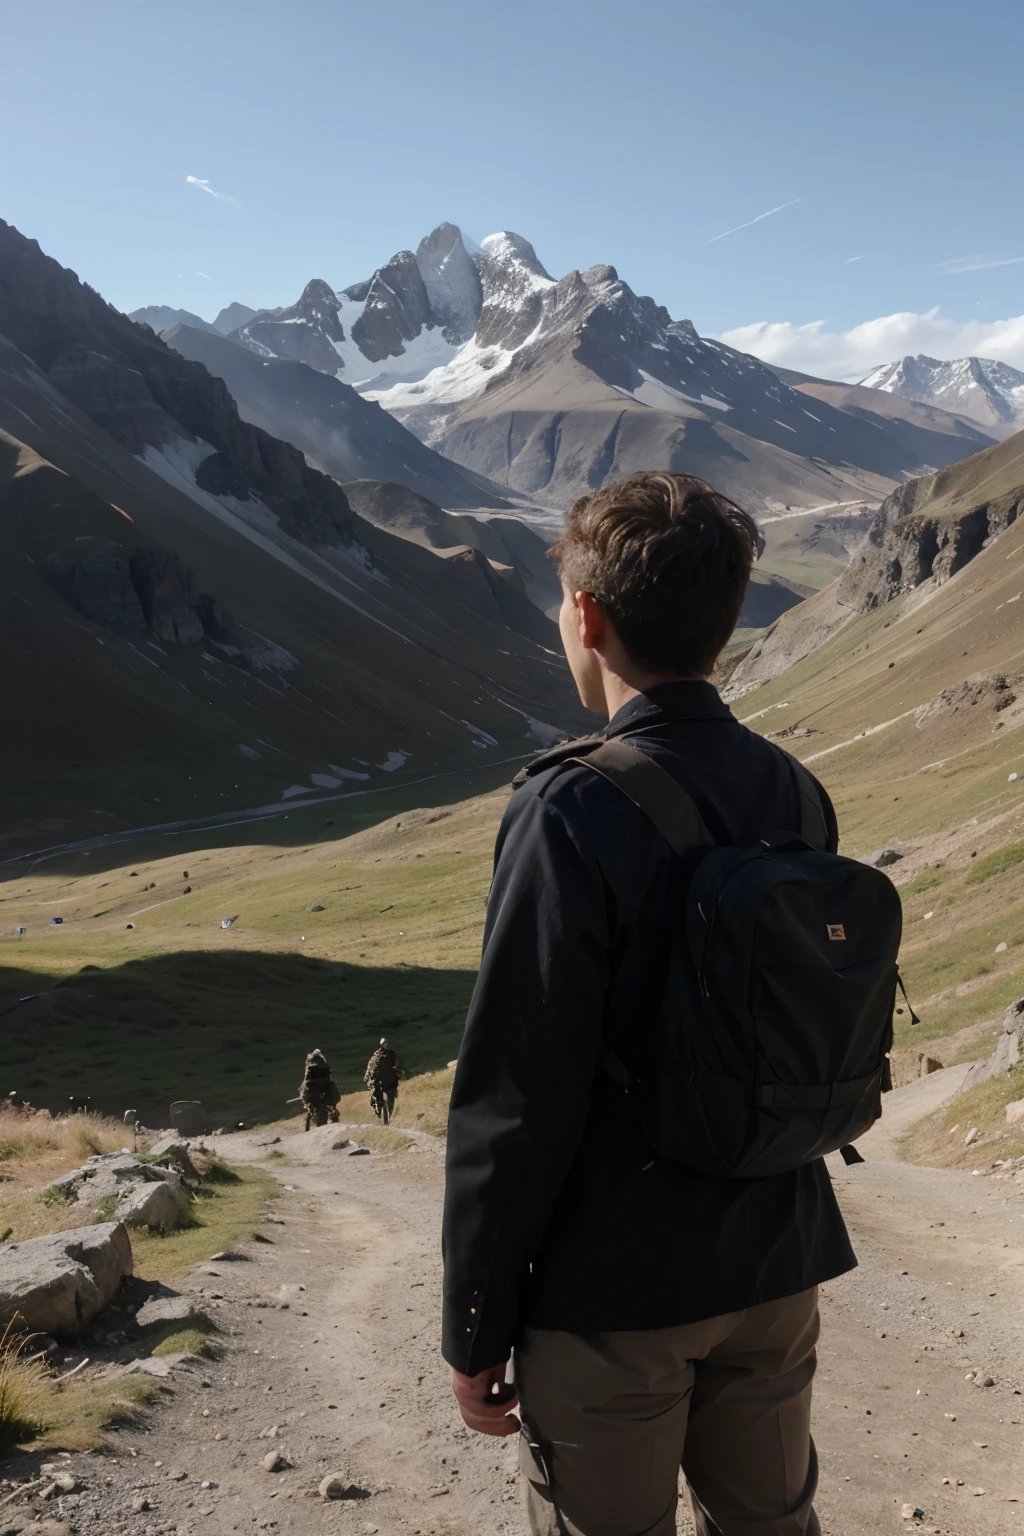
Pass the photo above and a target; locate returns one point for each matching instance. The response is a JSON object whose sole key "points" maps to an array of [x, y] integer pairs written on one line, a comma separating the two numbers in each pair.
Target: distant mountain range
{"points": [[161, 317], [551, 387], [195, 621], [988, 392]]}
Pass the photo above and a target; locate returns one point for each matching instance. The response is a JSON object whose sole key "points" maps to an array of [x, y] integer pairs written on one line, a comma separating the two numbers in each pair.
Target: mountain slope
{"points": [[911, 713], [989, 392], [334, 427], [923, 535], [550, 387], [195, 621]]}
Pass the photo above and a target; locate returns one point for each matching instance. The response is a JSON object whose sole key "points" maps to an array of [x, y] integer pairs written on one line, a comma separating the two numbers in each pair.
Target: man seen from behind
{"points": [[658, 1317]]}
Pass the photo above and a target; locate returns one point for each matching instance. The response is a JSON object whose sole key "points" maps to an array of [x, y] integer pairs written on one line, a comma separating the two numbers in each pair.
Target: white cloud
{"points": [[975, 264], [760, 216], [851, 354], [204, 186], [209, 279], [850, 259]]}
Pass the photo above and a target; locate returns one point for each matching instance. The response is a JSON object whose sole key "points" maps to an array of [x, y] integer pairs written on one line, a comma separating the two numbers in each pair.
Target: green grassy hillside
{"points": [[178, 1007], [911, 716]]}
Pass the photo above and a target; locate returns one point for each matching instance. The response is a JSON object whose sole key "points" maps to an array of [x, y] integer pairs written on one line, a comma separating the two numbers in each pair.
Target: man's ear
{"points": [[591, 620]]}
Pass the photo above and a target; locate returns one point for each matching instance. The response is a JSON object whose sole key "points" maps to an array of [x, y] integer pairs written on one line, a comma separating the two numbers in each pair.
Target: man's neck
{"points": [[618, 691]]}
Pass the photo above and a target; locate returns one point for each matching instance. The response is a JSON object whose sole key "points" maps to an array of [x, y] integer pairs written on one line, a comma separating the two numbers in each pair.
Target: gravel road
{"points": [[331, 1341]]}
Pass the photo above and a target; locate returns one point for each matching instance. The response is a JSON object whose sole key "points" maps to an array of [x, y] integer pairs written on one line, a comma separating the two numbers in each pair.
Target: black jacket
{"points": [[555, 1215]]}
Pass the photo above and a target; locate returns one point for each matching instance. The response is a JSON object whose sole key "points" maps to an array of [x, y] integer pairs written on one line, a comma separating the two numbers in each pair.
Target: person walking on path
{"points": [[381, 1078], [658, 1316]]}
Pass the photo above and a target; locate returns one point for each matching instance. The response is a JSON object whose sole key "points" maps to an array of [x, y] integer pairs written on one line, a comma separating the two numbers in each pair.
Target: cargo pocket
{"points": [[535, 1474]]}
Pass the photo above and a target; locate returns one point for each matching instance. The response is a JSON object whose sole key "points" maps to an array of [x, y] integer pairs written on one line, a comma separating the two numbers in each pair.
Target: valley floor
{"points": [[349, 1370]]}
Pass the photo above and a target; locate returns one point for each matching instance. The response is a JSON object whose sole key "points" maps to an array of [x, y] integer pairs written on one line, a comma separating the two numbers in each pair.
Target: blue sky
{"points": [[887, 135]]}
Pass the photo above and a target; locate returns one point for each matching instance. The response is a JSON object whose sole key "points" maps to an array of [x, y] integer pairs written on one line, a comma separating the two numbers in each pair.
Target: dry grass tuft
{"points": [[26, 1136], [26, 1390]]}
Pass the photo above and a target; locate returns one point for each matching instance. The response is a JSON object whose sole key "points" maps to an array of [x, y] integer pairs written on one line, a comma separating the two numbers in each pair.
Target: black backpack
{"points": [[787, 954]]}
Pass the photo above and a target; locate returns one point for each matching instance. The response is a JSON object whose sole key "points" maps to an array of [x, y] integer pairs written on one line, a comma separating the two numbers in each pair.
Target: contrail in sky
{"points": [[203, 183], [760, 216]]}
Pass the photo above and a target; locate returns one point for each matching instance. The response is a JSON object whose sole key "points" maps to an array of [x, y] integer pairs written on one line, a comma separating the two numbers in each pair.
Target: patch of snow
{"points": [[296, 789], [465, 373], [250, 752], [394, 761], [347, 773], [424, 352], [325, 781]]}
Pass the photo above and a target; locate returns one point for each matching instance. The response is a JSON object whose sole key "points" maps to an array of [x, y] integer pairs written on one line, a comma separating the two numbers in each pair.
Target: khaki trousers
{"points": [[608, 1420]]}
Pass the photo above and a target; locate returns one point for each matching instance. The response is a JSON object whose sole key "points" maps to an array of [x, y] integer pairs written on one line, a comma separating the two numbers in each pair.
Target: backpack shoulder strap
{"points": [[555, 756], [652, 789], [814, 827]]}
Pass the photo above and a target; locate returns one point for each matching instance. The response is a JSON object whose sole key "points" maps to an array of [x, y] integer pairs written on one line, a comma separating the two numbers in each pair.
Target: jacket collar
{"points": [[696, 700]]}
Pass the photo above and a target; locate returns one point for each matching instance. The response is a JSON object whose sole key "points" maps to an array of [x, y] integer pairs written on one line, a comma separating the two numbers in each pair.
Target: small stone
{"points": [[140, 1504], [971, 1137], [1011, 778], [176, 1476], [206, 1483], [66, 1482], [911, 1512], [333, 1486], [220, 1435], [275, 1461], [359, 1152], [977, 1492], [986, 1381], [1002, 948]]}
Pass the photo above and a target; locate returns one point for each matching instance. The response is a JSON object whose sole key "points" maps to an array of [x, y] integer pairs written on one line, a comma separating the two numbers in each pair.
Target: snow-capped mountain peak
{"points": [[988, 391]]}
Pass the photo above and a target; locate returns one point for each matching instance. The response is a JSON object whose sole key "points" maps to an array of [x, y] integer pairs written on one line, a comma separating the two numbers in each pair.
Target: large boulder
{"points": [[1009, 1048], [163, 1203], [57, 1284]]}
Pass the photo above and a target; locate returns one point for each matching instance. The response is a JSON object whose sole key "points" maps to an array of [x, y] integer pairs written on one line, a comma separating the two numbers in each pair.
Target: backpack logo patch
{"points": [[836, 930]]}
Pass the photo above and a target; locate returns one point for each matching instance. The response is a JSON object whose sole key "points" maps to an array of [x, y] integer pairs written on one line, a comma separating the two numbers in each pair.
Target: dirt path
{"points": [[349, 1372]]}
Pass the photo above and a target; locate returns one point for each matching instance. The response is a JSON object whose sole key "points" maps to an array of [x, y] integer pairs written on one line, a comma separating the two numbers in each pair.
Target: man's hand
{"points": [[485, 1401]]}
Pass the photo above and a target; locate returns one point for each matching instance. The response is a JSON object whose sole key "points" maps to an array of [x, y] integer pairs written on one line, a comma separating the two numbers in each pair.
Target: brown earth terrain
{"points": [[329, 1354]]}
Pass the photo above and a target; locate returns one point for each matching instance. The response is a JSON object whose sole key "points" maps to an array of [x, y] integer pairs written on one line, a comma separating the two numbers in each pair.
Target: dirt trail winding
{"points": [[942, 1255]]}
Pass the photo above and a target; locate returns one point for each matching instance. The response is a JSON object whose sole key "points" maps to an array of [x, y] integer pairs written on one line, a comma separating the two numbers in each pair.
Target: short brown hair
{"points": [[668, 560]]}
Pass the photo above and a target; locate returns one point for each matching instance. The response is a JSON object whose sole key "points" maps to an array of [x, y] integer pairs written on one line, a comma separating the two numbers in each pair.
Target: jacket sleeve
{"points": [[525, 1075]]}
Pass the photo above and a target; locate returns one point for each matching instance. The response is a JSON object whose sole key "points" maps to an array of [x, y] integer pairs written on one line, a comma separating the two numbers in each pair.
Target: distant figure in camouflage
{"points": [[319, 1092], [381, 1077]]}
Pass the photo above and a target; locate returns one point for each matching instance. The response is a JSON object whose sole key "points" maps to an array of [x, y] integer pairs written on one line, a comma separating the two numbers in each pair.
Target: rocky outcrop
{"points": [[134, 591], [57, 1284], [395, 310], [95, 576], [147, 396], [905, 547], [1009, 1051]]}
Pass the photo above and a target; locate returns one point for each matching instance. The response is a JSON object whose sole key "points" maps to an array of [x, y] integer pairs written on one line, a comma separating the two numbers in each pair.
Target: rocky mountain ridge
{"points": [[551, 386], [988, 392]]}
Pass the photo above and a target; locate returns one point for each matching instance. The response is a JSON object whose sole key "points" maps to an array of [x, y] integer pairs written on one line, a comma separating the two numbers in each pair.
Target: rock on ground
{"points": [[1009, 1048], [170, 1309], [162, 1204], [57, 1284]]}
